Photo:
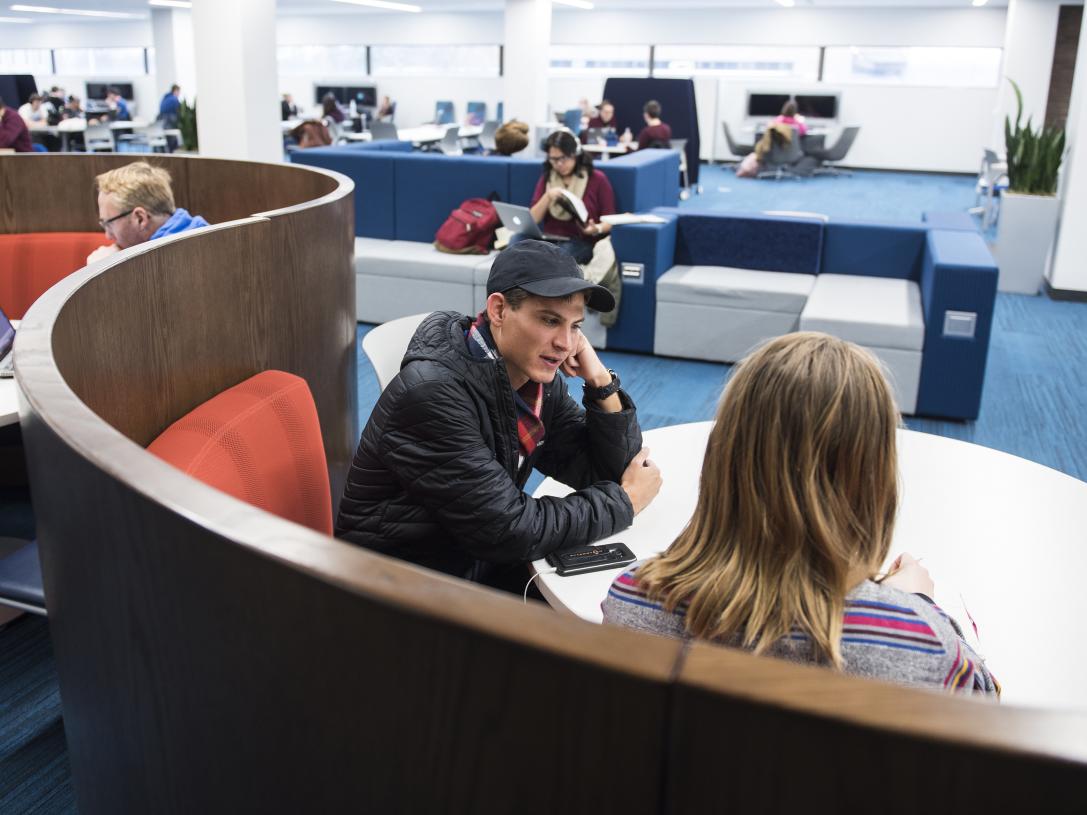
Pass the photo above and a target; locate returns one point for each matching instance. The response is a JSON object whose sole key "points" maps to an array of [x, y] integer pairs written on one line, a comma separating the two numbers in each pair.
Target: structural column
{"points": [[1030, 33], [171, 34], [526, 60], [237, 113], [1068, 267]]}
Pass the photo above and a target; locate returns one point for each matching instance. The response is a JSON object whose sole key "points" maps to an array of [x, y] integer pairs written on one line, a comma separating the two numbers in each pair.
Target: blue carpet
{"points": [[866, 195], [1034, 399]]}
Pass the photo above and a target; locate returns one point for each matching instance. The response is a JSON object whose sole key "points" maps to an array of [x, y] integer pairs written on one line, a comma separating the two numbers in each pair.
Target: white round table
{"points": [[1004, 539]]}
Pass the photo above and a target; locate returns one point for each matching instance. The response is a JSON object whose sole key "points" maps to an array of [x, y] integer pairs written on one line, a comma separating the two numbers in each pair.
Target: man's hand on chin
{"points": [[585, 363], [103, 252]]}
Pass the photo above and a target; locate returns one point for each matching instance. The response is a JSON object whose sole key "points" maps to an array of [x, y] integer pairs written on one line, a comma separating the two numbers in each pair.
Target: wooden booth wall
{"points": [[214, 658]]}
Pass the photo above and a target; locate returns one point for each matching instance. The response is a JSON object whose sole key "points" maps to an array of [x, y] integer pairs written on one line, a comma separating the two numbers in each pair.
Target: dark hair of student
{"points": [[328, 103], [567, 143], [652, 109], [789, 108]]}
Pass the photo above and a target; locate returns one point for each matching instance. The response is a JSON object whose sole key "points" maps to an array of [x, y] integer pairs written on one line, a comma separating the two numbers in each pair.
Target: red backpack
{"points": [[469, 229]]}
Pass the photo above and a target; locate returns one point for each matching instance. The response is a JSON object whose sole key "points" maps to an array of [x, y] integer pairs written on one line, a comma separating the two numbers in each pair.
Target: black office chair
{"points": [[21, 577], [834, 153], [740, 150]]}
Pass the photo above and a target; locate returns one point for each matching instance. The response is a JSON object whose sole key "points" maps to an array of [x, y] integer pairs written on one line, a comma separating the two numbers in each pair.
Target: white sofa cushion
{"points": [[417, 260], [735, 288], [876, 312]]}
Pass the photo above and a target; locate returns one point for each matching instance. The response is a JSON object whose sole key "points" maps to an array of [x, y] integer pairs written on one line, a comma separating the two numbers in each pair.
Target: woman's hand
{"points": [[907, 574], [594, 230]]}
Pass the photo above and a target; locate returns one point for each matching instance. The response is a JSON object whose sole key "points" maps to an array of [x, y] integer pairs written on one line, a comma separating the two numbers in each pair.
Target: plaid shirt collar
{"points": [[528, 398]]}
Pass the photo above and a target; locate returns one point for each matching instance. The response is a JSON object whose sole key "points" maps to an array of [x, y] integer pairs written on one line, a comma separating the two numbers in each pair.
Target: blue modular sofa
{"points": [[712, 285], [401, 198]]}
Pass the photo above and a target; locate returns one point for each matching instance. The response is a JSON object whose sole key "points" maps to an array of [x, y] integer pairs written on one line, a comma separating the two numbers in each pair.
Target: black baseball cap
{"points": [[541, 268]]}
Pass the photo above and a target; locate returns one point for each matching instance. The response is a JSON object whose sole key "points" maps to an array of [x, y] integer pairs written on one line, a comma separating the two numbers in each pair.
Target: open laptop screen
{"points": [[7, 334]]}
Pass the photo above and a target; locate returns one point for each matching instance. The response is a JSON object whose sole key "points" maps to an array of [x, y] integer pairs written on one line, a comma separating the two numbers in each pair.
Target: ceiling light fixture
{"points": [[383, 4], [170, 3], [581, 4], [15, 20], [786, 3], [113, 15], [978, 3]]}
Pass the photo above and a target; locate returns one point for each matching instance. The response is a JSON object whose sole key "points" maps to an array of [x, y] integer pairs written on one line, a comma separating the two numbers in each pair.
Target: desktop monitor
{"points": [[761, 105], [335, 90], [443, 113], [365, 96], [820, 106], [477, 112], [97, 90]]}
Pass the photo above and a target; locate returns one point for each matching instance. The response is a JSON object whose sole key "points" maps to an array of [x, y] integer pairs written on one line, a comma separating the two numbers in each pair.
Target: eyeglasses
{"points": [[553, 160], [108, 221]]}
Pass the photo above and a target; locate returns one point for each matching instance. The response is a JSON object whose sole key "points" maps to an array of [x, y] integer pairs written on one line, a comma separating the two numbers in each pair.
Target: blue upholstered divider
{"points": [[873, 249], [373, 172], [430, 186], [957, 273], [401, 195], [750, 242], [678, 106], [654, 246], [524, 173]]}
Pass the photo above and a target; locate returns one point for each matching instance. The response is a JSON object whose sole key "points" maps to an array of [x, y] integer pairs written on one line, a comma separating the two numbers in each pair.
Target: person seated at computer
{"points": [[73, 108], [14, 134], [438, 478], [568, 168], [136, 204], [287, 108], [330, 110], [603, 122], [55, 99], [34, 112], [387, 110], [510, 138], [794, 519], [789, 117], [118, 106], [655, 133]]}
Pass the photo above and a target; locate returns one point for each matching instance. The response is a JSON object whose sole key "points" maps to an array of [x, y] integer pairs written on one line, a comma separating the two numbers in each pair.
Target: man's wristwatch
{"points": [[592, 394]]}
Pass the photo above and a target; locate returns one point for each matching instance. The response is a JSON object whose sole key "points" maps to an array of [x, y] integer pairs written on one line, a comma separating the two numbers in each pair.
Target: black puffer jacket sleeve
{"points": [[586, 447], [434, 445]]}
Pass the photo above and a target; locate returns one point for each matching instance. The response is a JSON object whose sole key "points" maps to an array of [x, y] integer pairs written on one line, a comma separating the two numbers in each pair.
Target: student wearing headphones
{"points": [[569, 168]]}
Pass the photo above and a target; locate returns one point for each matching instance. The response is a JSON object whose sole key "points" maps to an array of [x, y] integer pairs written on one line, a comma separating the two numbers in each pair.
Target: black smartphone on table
{"points": [[592, 558]]}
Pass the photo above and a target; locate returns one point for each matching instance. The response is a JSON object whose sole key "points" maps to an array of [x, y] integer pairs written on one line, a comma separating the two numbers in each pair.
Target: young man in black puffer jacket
{"points": [[439, 473]]}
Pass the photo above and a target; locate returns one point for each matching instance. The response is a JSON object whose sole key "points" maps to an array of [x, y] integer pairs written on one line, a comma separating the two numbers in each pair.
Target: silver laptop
{"points": [[518, 220]]}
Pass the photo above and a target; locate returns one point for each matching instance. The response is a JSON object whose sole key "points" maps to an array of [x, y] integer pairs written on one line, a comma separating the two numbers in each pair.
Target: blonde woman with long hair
{"points": [[795, 516]]}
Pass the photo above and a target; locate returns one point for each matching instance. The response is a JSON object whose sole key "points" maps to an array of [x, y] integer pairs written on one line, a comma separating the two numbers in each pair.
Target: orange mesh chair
{"points": [[32, 262], [259, 441]]}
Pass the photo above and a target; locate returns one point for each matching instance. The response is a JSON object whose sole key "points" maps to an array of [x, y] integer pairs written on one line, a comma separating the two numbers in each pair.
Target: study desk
{"points": [[606, 151], [1001, 536], [431, 134], [66, 127]]}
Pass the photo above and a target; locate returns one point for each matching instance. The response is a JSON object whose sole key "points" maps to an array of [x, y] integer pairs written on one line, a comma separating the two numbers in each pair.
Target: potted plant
{"points": [[186, 123], [1029, 207]]}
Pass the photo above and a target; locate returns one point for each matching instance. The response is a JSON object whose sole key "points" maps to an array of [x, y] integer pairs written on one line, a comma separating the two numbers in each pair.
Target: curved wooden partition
{"points": [[296, 314], [214, 658]]}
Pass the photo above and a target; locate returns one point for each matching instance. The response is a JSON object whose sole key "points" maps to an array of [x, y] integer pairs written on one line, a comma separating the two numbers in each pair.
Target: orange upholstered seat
{"points": [[259, 441], [32, 262]]}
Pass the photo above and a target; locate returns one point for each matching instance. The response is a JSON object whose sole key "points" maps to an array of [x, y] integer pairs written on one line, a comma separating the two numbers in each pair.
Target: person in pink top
{"points": [[788, 117]]}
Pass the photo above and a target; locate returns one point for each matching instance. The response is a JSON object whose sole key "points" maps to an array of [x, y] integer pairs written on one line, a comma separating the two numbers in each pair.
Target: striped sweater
{"points": [[887, 634]]}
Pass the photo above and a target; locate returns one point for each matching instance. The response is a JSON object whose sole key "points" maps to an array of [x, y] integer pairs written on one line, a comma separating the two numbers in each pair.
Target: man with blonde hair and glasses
{"points": [[135, 205]]}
